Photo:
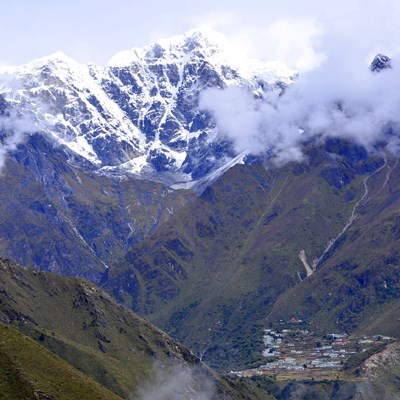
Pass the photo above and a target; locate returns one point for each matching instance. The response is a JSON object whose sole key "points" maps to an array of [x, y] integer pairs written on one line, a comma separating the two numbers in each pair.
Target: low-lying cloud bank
{"points": [[338, 95], [360, 105]]}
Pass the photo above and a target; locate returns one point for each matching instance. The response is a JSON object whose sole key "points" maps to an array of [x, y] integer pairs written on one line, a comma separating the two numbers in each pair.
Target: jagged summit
{"points": [[204, 41], [202, 35], [202, 38], [202, 44], [140, 113], [56, 61], [380, 62], [58, 56]]}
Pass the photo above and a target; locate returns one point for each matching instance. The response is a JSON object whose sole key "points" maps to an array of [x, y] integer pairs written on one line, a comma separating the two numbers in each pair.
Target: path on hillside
{"points": [[354, 214], [263, 216], [385, 182]]}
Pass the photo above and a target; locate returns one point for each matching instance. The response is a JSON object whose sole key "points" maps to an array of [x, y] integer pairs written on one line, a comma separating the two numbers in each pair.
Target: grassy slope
{"points": [[88, 329], [46, 219], [221, 263], [356, 287], [28, 371]]}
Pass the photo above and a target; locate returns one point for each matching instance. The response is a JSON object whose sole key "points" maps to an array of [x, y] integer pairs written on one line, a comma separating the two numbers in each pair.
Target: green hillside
{"points": [[29, 371], [356, 286], [315, 240], [85, 327], [224, 267]]}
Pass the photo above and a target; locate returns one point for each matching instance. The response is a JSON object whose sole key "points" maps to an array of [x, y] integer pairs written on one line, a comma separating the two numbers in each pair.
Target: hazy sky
{"points": [[284, 30]]}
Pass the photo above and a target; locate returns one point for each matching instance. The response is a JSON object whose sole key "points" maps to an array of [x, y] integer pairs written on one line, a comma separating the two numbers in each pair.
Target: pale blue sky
{"points": [[285, 30]]}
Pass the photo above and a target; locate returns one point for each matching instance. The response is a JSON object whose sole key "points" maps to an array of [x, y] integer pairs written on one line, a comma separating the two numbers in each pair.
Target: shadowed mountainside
{"points": [[69, 220], [235, 256]]}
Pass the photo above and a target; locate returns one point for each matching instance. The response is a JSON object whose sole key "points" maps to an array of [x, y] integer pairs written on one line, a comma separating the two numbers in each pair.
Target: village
{"points": [[298, 352]]}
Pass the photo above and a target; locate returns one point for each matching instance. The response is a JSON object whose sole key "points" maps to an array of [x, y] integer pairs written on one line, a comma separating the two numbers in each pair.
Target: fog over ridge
{"points": [[332, 100]]}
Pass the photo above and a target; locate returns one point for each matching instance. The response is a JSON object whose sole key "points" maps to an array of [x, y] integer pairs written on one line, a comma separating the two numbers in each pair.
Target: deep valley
{"points": [[142, 249]]}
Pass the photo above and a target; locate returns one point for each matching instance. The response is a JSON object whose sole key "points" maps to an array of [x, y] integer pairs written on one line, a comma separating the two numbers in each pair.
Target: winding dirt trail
{"points": [[354, 214], [385, 182]]}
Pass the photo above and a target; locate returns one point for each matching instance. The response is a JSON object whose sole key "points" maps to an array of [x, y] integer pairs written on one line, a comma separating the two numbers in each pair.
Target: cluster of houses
{"points": [[296, 350]]}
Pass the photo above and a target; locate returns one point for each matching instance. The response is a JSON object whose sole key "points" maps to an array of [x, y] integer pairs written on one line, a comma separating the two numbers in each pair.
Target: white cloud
{"points": [[336, 93], [328, 101], [177, 382], [288, 40], [13, 130], [14, 127]]}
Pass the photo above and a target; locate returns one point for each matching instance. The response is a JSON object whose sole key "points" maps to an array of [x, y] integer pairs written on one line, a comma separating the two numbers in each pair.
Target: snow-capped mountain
{"points": [[140, 114]]}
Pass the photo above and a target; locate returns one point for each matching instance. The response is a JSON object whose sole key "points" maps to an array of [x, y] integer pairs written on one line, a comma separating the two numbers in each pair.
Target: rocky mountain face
{"points": [[97, 196], [140, 113], [87, 146], [59, 217]]}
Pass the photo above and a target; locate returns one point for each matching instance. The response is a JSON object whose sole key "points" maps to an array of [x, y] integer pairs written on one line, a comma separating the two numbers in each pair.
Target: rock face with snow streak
{"points": [[78, 205], [140, 113]]}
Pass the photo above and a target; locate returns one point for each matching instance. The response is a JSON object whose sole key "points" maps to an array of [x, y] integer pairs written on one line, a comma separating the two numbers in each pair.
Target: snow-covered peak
{"points": [[202, 38], [66, 100], [56, 67], [57, 56], [57, 59], [140, 113], [202, 42], [125, 58]]}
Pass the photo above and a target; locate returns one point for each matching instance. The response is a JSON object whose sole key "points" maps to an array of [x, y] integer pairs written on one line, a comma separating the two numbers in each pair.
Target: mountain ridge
{"points": [[106, 342], [215, 269], [139, 114], [236, 254], [88, 143]]}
